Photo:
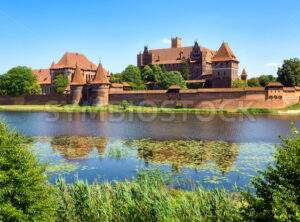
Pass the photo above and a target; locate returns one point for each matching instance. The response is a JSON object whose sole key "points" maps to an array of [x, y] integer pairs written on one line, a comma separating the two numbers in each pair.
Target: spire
{"points": [[52, 65], [78, 77], [224, 54], [101, 76], [244, 73]]}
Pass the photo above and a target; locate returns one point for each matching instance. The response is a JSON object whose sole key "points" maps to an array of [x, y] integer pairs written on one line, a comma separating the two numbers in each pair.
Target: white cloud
{"points": [[166, 41], [273, 64]]}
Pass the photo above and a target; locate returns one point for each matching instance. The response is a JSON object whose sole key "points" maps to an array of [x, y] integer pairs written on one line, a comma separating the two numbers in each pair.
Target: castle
{"points": [[217, 68]]}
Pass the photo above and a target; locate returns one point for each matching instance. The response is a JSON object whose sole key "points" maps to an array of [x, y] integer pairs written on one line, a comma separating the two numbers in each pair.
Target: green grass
{"points": [[255, 111], [108, 108], [148, 197]]}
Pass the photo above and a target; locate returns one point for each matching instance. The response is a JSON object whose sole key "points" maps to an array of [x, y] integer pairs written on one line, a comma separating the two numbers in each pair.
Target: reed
{"points": [[148, 197]]}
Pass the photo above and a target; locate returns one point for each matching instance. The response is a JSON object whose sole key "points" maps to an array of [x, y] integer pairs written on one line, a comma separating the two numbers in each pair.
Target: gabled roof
{"points": [[70, 59], [43, 75], [244, 73], [101, 76], [78, 78], [224, 54]]}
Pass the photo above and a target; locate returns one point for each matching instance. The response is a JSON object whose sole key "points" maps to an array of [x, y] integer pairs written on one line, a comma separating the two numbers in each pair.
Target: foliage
{"points": [[278, 188], [149, 197], [289, 73], [184, 69], [266, 79], [253, 82], [19, 81], [116, 78], [157, 72], [254, 111], [163, 68], [195, 85], [147, 74], [132, 75], [25, 194], [171, 78], [124, 104], [238, 83], [61, 82], [36, 89]]}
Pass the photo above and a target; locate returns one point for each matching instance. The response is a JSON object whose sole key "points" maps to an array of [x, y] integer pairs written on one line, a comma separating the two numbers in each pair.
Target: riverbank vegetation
{"points": [[25, 194], [124, 107]]}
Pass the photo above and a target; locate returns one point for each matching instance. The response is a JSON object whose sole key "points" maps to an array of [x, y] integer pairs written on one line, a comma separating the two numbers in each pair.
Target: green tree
{"points": [[25, 194], [163, 68], [289, 73], [171, 78], [132, 74], [277, 190], [238, 83], [266, 79], [61, 82], [116, 78], [157, 72], [19, 81], [184, 69], [253, 82], [147, 74]]}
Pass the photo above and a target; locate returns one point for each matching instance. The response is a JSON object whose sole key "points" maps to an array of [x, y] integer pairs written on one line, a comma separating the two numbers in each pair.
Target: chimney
{"points": [[176, 42]]}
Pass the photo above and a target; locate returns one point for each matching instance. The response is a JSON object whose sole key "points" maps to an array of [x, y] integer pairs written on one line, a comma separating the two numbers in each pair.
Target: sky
{"points": [[260, 33]]}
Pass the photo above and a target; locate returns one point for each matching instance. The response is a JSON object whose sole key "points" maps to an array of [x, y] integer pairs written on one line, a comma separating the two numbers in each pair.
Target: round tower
{"points": [[77, 86], [100, 88]]}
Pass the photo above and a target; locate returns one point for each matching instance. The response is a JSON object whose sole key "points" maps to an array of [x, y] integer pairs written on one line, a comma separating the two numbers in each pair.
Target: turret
{"points": [[100, 88], [224, 67], [77, 86]]}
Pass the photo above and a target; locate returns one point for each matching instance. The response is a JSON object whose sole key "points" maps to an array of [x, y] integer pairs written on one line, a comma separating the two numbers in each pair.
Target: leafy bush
{"points": [[124, 104], [277, 194], [25, 194]]}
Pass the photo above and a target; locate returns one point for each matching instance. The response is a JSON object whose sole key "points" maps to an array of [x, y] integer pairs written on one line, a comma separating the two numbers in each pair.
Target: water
{"points": [[113, 146]]}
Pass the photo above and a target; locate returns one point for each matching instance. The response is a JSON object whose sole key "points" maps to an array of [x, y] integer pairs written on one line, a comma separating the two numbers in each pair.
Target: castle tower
{"points": [[244, 75], [100, 88], [176, 42], [224, 67], [77, 86]]}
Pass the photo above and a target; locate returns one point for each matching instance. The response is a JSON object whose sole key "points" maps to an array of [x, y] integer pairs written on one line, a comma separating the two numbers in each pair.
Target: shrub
{"points": [[25, 194], [178, 106], [277, 194], [124, 104]]}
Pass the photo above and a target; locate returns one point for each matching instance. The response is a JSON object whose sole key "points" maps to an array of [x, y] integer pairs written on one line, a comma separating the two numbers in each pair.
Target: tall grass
{"points": [[148, 197], [255, 111]]}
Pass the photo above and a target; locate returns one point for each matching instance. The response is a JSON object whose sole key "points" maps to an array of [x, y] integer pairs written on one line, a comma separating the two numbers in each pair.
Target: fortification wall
{"points": [[34, 100], [207, 98]]}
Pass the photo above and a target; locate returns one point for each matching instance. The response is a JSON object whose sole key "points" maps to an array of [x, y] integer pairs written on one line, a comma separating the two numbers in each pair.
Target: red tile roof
{"points": [[101, 76], [70, 59], [43, 75], [224, 54], [275, 84], [244, 73], [117, 85], [174, 55], [126, 84], [78, 78]]}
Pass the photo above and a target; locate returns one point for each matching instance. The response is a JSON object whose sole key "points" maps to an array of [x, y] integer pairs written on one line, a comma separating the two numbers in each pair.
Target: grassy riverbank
{"points": [[142, 109]]}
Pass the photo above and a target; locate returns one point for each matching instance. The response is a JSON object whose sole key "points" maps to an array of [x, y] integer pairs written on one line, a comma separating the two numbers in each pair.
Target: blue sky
{"points": [[34, 33]]}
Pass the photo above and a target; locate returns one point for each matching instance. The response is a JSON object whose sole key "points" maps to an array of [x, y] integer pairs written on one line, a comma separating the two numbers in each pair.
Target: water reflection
{"points": [[187, 153], [78, 147]]}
